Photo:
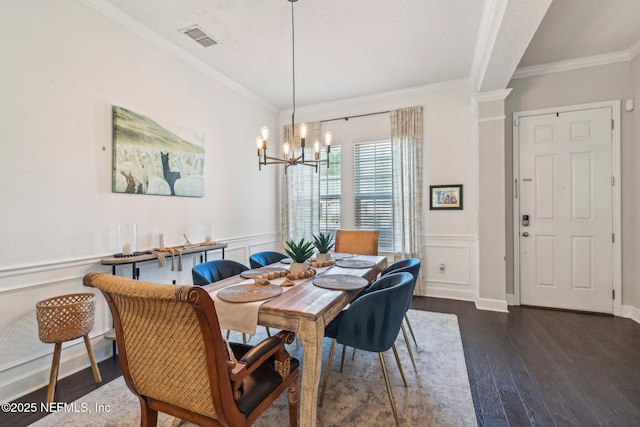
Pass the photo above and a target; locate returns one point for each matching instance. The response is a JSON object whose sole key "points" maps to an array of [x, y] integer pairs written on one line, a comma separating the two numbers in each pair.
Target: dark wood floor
{"points": [[528, 367]]}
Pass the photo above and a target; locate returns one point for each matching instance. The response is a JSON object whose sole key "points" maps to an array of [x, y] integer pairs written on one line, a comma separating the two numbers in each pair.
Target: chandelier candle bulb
{"points": [[303, 134], [259, 144]]}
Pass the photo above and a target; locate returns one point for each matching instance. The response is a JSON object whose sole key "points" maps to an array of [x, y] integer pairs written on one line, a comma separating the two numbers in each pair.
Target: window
{"points": [[373, 190], [330, 193]]}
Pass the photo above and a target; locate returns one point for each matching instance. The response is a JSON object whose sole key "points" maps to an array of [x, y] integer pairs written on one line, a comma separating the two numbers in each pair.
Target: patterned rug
{"points": [[438, 393]]}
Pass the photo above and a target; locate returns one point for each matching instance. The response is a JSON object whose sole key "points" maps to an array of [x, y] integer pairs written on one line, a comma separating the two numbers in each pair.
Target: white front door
{"points": [[565, 181]]}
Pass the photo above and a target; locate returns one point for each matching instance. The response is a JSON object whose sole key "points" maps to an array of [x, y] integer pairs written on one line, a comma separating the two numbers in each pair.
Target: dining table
{"points": [[306, 309]]}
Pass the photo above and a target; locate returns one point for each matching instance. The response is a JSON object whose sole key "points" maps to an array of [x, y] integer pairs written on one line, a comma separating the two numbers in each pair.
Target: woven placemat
{"points": [[286, 260], [355, 263], [340, 282], [249, 293], [250, 274]]}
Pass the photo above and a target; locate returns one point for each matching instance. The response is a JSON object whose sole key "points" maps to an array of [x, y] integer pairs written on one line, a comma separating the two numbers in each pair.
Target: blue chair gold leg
{"points": [[406, 340], [326, 371], [411, 331], [386, 379], [395, 353], [344, 350]]}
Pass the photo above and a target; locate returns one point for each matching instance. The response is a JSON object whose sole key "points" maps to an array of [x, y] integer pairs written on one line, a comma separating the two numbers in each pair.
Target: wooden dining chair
{"points": [[360, 242], [174, 359]]}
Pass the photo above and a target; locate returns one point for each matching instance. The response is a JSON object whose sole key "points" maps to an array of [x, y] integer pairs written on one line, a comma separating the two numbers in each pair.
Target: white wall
{"points": [[63, 67], [449, 156], [582, 86]]}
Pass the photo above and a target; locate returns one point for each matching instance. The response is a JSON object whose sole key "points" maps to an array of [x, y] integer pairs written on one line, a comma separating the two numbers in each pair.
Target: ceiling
{"points": [[354, 48]]}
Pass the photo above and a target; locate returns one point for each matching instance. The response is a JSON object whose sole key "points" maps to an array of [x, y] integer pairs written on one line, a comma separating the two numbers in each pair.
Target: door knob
{"points": [[525, 234]]}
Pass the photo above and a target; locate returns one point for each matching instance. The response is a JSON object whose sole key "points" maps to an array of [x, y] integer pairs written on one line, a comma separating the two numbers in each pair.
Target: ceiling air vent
{"points": [[197, 34]]}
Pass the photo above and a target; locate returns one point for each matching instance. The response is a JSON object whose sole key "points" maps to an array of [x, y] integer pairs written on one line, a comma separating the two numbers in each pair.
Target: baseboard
{"points": [[492, 305], [511, 299], [462, 295], [73, 359], [631, 312]]}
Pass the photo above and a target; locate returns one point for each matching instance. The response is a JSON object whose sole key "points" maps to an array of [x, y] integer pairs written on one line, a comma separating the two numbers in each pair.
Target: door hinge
{"points": [[613, 294], [613, 237], [613, 181], [612, 125]]}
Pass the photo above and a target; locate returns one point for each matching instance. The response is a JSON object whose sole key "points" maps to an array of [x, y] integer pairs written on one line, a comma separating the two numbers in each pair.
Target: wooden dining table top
{"points": [[305, 300]]}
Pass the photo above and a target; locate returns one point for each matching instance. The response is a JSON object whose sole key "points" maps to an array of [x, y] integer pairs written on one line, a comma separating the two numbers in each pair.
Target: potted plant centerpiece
{"points": [[299, 252], [323, 243]]}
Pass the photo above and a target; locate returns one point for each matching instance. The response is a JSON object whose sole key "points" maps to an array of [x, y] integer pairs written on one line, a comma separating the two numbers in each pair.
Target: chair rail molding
{"points": [[25, 361]]}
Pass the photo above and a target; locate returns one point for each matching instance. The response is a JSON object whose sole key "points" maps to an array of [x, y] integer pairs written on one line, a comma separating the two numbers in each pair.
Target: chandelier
{"points": [[288, 148]]}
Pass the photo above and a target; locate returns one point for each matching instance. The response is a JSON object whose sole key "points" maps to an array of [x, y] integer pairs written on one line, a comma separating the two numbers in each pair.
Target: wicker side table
{"points": [[65, 318]]}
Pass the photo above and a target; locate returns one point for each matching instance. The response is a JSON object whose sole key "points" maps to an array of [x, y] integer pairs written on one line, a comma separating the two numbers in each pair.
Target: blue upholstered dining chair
{"points": [[212, 271], [262, 259], [409, 265], [372, 323]]}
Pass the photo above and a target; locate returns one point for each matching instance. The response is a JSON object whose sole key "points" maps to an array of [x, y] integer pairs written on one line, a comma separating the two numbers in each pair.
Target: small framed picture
{"points": [[445, 197]]}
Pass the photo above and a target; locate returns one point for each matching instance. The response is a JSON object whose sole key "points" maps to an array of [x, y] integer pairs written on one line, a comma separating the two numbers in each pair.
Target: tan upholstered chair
{"points": [[360, 242], [174, 359]]}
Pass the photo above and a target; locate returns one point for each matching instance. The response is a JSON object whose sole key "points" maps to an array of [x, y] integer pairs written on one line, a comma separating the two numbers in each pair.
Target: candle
{"points": [[126, 248], [208, 240], [161, 241]]}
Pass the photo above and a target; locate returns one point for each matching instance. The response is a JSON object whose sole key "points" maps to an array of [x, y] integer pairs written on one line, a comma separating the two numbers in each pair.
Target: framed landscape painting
{"points": [[150, 157], [445, 197]]}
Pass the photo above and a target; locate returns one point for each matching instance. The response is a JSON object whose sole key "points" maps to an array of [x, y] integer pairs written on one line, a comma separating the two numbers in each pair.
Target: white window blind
{"points": [[330, 193], [373, 190]]}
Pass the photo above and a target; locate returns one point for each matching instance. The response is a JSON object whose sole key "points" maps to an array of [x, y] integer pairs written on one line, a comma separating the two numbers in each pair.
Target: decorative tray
{"points": [[340, 282], [276, 271], [355, 263], [249, 293]]}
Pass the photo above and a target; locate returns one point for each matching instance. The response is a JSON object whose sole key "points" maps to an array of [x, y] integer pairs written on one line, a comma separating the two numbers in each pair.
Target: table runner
{"points": [[243, 316]]}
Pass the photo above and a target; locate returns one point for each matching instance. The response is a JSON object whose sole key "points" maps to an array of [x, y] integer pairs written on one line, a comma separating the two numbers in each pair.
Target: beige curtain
{"points": [[301, 190], [406, 141]]}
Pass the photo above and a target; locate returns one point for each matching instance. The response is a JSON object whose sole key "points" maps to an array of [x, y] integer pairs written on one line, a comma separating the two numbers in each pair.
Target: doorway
{"points": [[567, 207]]}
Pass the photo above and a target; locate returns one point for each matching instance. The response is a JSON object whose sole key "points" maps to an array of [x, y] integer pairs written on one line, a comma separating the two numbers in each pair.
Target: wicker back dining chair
{"points": [[262, 259], [360, 242], [372, 323], [174, 359]]}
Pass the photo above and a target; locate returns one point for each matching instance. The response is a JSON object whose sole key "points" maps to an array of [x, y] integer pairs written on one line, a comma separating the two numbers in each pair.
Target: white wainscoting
{"points": [[459, 257], [25, 361]]}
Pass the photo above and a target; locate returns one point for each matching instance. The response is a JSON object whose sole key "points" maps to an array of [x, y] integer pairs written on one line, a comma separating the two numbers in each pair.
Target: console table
{"points": [[133, 260]]}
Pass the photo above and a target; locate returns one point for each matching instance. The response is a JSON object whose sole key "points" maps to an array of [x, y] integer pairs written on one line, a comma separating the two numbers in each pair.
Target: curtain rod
{"points": [[346, 118]]}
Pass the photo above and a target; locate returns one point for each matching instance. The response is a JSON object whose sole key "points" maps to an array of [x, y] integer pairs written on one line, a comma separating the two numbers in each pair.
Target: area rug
{"points": [[438, 392]]}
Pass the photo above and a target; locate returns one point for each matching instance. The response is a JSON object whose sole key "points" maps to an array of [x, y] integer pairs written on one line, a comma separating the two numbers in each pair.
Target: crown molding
{"points": [[392, 94], [495, 95], [138, 28], [574, 64]]}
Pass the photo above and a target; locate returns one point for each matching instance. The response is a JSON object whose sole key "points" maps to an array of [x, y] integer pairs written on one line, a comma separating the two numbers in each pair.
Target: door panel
{"points": [[566, 252]]}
